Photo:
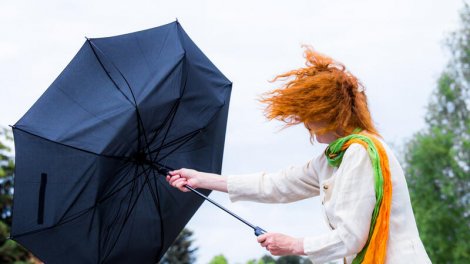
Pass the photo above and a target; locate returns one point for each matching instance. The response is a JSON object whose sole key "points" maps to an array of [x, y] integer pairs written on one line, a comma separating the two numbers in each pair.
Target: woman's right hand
{"points": [[180, 178]]}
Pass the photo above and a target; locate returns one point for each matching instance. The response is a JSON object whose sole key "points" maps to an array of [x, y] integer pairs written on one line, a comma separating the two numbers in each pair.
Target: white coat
{"points": [[348, 198]]}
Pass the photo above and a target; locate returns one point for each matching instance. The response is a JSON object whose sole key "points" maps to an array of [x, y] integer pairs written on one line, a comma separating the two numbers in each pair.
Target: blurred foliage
{"points": [[219, 259], [292, 260], [437, 159], [267, 259], [6, 176], [182, 250], [10, 251]]}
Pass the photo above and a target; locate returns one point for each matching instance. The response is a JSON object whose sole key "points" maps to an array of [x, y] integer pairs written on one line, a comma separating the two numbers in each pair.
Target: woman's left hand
{"points": [[282, 245]]}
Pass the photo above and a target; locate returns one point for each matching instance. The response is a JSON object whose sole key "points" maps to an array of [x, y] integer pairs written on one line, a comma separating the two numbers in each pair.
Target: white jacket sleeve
{"points": [[354, 197], [288, 185]]}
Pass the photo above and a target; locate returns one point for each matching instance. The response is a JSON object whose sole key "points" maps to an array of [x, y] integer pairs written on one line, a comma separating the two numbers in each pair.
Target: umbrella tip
{"points": [[176, 20]]}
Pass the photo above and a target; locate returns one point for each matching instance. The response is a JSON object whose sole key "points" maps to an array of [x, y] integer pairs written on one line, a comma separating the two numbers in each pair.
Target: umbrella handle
{"points": [[259, 231]]}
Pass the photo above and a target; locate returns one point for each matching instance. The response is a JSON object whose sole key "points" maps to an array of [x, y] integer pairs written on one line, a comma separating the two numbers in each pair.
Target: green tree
{"points": [[6, 176], [182, 250], [267, 259], [251, 261], [437, 159], [219, 259], [10, 251], [261, 261], [292, 260]]}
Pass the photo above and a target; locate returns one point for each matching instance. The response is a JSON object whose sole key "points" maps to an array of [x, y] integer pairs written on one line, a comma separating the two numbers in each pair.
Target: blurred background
{"points": [[412, 56]]}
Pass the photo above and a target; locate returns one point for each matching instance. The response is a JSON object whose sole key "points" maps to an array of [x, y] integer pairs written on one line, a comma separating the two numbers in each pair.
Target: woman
{"points": [[360, 182]]}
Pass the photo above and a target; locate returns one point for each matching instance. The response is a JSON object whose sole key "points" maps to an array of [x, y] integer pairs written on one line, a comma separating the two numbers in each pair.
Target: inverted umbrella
{"points": [[91, 151]]}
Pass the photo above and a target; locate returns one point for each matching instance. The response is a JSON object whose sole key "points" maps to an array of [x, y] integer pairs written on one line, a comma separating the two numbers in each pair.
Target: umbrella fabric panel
{"points": [[73, 180], [68, 111], [74, 247], [81, 241], [204, 152], [144, 57], [197, 57]]}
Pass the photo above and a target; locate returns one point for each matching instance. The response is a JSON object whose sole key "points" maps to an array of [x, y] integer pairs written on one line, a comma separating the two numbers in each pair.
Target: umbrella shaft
{"points": [[163, 170], [220, 206]]}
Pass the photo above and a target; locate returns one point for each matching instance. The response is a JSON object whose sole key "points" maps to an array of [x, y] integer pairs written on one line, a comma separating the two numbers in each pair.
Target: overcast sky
{"points": [[394, 47]]}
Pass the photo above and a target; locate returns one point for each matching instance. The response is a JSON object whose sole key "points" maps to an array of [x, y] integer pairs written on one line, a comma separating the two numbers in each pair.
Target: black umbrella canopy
{"points": [[90, 153]]}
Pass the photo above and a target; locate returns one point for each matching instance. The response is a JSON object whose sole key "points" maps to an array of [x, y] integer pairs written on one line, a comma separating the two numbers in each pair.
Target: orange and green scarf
{"points": [[375, 248]]}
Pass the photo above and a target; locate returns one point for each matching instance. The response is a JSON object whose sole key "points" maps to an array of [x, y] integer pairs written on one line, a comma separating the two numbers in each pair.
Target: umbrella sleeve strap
{"points": [[41, 198]]}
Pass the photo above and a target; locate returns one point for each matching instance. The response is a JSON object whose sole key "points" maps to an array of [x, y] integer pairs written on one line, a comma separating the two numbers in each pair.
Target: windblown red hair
{"points": [[323, 91]]}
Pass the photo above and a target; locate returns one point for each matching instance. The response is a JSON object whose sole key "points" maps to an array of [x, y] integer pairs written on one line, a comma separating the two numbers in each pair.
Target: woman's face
{"points": [[325, 138]]}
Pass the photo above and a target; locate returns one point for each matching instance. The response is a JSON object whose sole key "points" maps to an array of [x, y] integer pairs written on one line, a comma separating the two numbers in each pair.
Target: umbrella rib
{"points": [[117, 215], [79, 214], [168, 116], [107, 196], [167, 130], [176, 109], [118, 177], [92, 45], [76, 199], [180, 145], [73, 147], [140, 124], [130, 209], [178, 140], [159, 209], [167, 188], [81, 106]]}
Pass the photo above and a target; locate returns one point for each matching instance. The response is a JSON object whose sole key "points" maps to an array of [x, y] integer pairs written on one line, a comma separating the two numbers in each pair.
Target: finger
{"points": [[277, 252], [175, 172], [261, 238], [175, 182], [180, 183], [174, 178], [181, 186], [168, 177], [264, 244]]}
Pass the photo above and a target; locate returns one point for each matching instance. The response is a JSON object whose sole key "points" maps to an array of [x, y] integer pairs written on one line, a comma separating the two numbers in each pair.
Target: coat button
{"points": [[325, 187]]}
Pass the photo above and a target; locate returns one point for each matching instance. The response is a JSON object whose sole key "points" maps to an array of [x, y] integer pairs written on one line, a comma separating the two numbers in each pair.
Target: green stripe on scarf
{"points": [[334, 154]]}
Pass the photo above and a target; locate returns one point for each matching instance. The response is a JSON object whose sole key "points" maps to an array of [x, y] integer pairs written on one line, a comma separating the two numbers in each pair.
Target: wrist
{"points": [[212, 181], [202, 180], [298, 247]]}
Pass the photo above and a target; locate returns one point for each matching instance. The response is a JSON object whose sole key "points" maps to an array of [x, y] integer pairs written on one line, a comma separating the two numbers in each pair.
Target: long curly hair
{"points": [[323, 91]]}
